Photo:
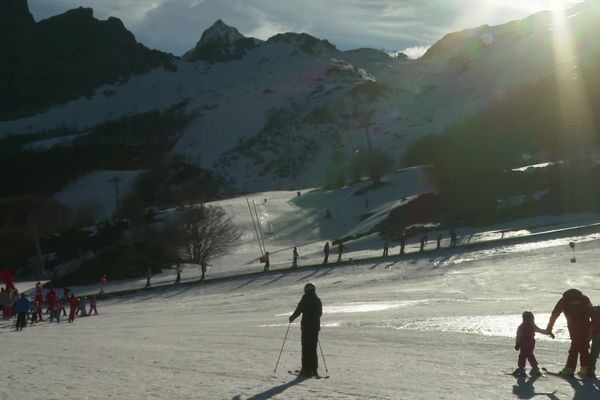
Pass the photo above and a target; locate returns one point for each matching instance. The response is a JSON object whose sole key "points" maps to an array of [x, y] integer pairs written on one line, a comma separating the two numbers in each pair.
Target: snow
{"points": [[430, 326], [96, 191]]}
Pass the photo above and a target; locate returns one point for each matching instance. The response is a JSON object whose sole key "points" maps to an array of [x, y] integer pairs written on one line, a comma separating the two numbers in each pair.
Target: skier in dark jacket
{"points": [[578, 312], [340, 251], [326, 253], [311, 309], [295, 258]]}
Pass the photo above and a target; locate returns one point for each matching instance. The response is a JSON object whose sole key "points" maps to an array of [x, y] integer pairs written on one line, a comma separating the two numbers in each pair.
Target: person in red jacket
{"points": [[73, 302], [50, 297], [578, 312]]}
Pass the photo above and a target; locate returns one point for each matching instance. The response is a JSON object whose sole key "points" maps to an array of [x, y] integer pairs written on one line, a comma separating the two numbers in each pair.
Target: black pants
{"points": [[310, 360], [21, 320]]}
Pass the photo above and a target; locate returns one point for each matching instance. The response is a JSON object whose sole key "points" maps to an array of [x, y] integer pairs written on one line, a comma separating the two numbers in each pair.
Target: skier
{"points": [[525, 343], [54, 308], [439, 241], [453, 237], [73, 303], [102, 283], [61, 305], [340, 250], [311, 309], [93, 305], [578, 312], [36, 311], [423, 241], [386, 245], [595, 342], [81, 311], [50, 297], [267, 261], [326, 253], [3, 297], [38, 289], [22, 308], [203, 266], [295, 258], [148, 276], [402, 241]]}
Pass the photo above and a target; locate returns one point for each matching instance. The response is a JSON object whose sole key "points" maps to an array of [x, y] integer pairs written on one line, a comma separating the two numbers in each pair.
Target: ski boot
{"points": [[519, 372], [583, 372], [535, 371]]}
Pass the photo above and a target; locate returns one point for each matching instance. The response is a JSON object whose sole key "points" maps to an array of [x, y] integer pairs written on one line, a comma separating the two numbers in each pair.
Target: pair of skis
{"points": [[548, 373], [297, 373]]}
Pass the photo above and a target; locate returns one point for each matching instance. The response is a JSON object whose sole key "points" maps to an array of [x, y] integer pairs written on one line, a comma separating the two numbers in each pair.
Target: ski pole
{"points": [[281, 351], [323, 356]]}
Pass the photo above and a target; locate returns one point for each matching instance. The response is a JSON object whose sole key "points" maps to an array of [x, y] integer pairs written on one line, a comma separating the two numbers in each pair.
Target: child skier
{"points": [[93, 305], [525, 343], [73, 303]]}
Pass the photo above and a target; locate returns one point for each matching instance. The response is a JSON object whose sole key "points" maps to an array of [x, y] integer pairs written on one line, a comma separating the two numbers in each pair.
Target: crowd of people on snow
{"points": [[24, 309], [583, 323]]}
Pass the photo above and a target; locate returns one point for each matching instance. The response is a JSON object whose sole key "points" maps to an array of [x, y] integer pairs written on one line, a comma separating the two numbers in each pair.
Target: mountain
{"points": [[220, 42], [63, 57], [290, 111]]}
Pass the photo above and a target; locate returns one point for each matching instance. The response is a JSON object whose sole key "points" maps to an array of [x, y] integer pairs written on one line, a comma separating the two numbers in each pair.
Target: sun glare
{"points": [[575, 117]]}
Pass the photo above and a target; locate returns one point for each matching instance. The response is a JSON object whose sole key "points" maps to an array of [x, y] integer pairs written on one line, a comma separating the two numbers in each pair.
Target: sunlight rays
{"points": [[575, 115], [577, 131]]}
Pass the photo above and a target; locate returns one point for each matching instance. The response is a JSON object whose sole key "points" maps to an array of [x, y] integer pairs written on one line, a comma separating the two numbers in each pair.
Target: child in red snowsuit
{"points": [[73, 302], [525, 343], [93, 306], [578, 312]]}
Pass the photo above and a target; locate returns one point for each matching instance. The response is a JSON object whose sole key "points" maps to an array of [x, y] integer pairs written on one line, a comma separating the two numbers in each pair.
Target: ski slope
{"points": [[439, 325]]}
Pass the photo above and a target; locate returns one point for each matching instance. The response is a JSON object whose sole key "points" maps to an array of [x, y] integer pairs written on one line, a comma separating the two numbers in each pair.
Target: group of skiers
{"points": [[583, 323], [14, 304]]}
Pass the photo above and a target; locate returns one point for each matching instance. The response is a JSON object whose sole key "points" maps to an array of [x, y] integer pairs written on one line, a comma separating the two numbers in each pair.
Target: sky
{"points": [[407, 25]]}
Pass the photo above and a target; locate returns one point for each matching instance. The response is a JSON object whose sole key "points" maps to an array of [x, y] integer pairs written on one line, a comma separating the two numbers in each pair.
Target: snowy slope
{"points": [[270, 119], [438, 326]]}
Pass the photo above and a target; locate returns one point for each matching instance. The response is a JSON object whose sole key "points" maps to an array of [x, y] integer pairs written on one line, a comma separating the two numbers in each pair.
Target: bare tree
{"points": [[199, 235]]}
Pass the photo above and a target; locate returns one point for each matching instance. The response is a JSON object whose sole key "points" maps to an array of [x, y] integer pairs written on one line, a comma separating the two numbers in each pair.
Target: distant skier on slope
{"points": [[423, 241], [453, 237], [73, 303], [438, 239], [326, 253], [340, 251], [311, 308], [22, 308], [267, 261], [402, 241], [295, 258], [93, 305], [386, 246], [525, 343], [578, 312]]}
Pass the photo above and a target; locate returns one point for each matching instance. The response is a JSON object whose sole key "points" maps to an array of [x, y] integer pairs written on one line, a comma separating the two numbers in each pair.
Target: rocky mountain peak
{"points": [[220, 42]]}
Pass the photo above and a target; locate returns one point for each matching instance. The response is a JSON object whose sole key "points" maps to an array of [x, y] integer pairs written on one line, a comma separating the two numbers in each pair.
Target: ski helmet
{"points": [[309, 288], [528, 316]]}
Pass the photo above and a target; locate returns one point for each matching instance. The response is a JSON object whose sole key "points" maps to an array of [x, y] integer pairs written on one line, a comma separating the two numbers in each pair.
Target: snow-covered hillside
{"points": [[439, 325], [271, 114]]}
